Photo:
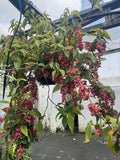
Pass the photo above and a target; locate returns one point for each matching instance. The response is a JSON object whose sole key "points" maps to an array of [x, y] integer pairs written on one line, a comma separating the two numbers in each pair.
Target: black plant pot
{"points": [[45, 81]]}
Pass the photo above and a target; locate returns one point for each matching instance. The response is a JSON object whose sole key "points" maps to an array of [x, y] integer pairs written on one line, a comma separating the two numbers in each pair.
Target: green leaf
{"points": [[53, 75], [33, 113], [21, 79], [3, 101], [40, 128], [51, 64], [81, 57], [23, 52], [112, 95], [37, 43], [10, 115], [41, 64], [106, 35], [62, 111], [97, 5], [24, 130], [1, 130], [7, 133], [57, 88], [110, 141], [74, 22], [17, 63], [18, 119], [57, 66], [105, 133], [87, 74], [14, 91], [69, 47], [113, 121], [13, 78], [67, 54], [88, 133], [22, 109], [94, 30], [70, 121], [64, 122], [60, 46], [6, 121], [36, 113], [118, 117], [92, 55], [62, 72], [74, 53], [97, 118], [76, 111]]}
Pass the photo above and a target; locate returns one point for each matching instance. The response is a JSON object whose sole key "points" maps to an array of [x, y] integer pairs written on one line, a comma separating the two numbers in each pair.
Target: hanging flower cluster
{"points": [[61, 57]]}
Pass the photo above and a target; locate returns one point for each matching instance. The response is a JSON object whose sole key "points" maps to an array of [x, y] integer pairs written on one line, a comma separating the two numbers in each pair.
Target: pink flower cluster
{"points": [[79, 38], [99, 132], [64, 91], [77, 32], [18, 133], [60, 58], [69, 50], [46, 73], [20, 152], [7, 109], [63, 60], [104, 97], [58, 79], [48, 57], [89, 47], [93, 109], [100, 46], [1, 120], [80, 42], [28, 119], [2, 134], [32, 88], [106, 102], [83, 91], [72, 71], [27, 104]]}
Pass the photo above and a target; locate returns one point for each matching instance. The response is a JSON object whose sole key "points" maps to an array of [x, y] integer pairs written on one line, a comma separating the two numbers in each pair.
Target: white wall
{"points": [[44, 102]]}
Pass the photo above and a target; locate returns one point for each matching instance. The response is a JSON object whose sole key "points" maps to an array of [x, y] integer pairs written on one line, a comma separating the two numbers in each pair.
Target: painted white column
{"points": [[45, 104]]}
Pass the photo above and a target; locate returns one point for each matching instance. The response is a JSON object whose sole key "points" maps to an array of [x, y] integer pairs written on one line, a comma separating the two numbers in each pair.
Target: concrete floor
{"points": [[64, 146]]}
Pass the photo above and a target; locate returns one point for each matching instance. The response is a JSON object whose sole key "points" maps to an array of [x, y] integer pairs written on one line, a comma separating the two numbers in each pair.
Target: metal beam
{"points": [[111, 17], [24, 4]]}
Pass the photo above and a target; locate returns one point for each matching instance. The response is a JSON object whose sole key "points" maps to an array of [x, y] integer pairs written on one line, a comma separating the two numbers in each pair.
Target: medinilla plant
{"points": [[58, 55]]}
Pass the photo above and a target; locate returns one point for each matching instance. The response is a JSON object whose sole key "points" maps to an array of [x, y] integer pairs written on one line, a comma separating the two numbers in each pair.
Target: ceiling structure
{"points": [[110, 13]]}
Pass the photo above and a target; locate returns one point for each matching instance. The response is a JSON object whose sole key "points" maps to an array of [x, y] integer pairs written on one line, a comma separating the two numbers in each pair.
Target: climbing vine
{"points": [[60, 56]]}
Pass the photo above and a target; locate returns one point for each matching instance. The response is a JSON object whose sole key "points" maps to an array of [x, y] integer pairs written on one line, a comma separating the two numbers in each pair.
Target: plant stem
{"points": [[6, 140]]}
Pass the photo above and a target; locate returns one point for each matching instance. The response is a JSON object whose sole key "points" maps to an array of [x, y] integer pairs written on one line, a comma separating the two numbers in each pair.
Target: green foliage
{"points": [[55, 55], [88, 134], [110, 141], [24, 130], [105, 133], [57, 88], [39, 127], [96, 3]]}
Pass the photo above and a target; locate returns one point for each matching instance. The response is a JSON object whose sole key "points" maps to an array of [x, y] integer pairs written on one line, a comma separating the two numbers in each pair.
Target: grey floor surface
{"points": [[64, 146]]}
